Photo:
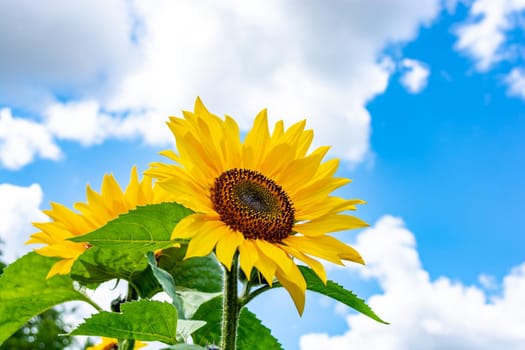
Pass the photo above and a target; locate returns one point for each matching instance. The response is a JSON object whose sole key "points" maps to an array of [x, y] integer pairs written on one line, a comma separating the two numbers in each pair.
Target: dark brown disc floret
{"points": [[253, 204]]}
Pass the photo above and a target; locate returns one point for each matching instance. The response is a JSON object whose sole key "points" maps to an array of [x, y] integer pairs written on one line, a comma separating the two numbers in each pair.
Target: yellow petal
{"points": [[296, 289], [257, 140], [62, 267], [203, 243], [192, 225], [248, 255], [314, 264], [330, 223], [227, 246], [301, 171], [270, 257], [325, 247]]}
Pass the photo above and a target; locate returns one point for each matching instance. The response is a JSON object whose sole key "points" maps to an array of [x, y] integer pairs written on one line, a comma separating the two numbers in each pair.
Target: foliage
{"points": [[44, 331], [136, 247]]}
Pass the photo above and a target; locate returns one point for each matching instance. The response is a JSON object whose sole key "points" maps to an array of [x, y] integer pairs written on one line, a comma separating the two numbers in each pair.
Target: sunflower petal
{"points": [[325, 247], [314, 264], [294, 287], [248, 256], [227, 246], [62, 267], [203, 242], [330, 223]]}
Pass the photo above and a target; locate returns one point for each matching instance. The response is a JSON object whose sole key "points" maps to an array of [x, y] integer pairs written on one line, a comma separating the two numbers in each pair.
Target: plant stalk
{"points": [[231, 306]]}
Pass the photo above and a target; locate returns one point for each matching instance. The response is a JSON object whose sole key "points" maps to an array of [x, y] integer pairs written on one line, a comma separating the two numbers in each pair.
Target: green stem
{"points": [[231, 306], [245, 299]]}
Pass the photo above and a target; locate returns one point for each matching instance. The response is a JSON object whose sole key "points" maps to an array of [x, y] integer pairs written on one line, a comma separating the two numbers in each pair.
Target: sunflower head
{"points": [[90, 215], [265, 197], [249, 202]]}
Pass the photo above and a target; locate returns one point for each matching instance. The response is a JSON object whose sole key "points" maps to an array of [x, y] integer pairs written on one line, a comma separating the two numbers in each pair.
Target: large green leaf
{"points": [[25, 292], [97, 265], [145, 228], [337, 292], [251, 333], [140, 320], [199, 273]]}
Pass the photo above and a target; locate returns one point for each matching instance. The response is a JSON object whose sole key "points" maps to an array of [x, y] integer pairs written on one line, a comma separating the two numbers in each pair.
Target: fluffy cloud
{"points": [[483, 37], [299, 59], [244, 56], [62, 47], [516, 82], [86, 123], [415, 76], [425, 313], [19, 207], [21, 140]]}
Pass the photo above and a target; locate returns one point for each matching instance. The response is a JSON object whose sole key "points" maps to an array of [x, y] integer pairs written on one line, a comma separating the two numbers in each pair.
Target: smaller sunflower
{"points": [[96, 212], [112, 344], [264, 197]]}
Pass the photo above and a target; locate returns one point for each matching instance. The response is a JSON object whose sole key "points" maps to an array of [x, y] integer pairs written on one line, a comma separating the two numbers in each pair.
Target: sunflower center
{"points": [[252, 204]]}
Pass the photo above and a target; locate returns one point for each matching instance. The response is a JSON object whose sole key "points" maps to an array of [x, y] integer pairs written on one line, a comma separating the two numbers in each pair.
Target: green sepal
{"points": [[143, 320], [251, 333], [26, 292], [145, 228], [337, 292]]}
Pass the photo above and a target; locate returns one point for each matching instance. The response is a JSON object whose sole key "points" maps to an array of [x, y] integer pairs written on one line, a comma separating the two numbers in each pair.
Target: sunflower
{"points": [[112, 344], [95, 213], [266, 198]]}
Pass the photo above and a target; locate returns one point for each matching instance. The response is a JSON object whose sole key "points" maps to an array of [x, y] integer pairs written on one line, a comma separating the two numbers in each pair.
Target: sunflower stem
{"points": [[231, 306]]}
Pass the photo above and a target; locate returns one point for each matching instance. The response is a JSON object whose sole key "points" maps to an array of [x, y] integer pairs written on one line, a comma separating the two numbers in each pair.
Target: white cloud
{"points": [[299, 59], [483, 36], [79, 121], [62, 46], [86, 123], [516, 82], [415, 75], [244, 56], [425, 313], [21, 140], [19, 207]]}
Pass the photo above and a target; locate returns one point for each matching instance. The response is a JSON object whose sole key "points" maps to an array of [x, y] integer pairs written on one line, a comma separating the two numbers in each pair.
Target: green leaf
{"points": [[97, 265], [337, 292], [165, 280], [146, 228], [192, 300], [251, 333], [185, 328], [141, 320], [200, 273], [25, 292], [162, 276]]}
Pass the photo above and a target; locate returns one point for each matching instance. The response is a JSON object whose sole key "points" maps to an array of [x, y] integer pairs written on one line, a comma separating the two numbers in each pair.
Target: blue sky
{"points": [[423, 101]]}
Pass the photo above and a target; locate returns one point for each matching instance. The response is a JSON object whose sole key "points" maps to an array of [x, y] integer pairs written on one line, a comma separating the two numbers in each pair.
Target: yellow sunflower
{"points": [[267, 197], [95, 213], [112, 344]]}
